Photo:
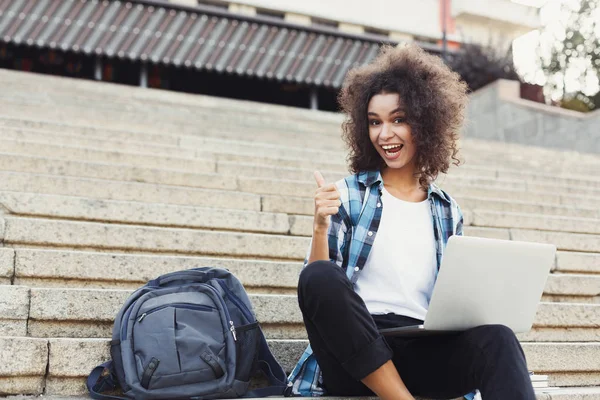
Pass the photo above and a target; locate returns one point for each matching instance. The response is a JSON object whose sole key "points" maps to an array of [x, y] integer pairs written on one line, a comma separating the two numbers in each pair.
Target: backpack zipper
{"points": [[217, 294], [188, 306], [235, 300], [225, 309], [232, 329]]}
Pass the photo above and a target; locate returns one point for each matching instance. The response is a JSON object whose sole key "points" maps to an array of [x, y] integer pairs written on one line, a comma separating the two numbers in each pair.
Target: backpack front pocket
{"points": [[178, 344], [199, 340], [154, 339]]}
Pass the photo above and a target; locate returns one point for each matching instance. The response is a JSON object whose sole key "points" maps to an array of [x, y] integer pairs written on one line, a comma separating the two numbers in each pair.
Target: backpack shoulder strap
{"points": [[272, 370], [102, 379]]}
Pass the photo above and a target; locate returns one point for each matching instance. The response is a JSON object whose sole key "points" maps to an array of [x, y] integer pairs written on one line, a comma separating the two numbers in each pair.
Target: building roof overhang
{"points": [[204, 38]]}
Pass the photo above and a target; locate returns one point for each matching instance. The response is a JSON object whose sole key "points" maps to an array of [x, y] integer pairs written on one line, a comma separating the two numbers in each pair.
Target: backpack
{"points": [[187, 335]]}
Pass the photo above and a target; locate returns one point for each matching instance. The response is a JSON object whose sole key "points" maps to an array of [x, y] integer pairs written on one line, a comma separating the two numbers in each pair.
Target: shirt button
{"points": [[356, 268], [370, 233], [378, 205]]}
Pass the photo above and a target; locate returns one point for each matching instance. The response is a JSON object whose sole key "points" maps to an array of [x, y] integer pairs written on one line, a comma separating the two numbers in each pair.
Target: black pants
{"points": [[348, 347]]}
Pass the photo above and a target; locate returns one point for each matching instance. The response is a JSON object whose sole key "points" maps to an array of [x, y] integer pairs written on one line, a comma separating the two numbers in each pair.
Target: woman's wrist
{"points": [[320, 230]]}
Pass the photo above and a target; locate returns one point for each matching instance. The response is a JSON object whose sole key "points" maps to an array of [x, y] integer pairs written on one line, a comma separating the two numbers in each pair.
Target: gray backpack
{"points": [[187, 335]]}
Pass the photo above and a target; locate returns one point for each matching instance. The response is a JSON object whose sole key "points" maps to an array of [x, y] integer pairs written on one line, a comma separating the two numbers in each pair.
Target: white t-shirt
{"points": [[401, 269]]}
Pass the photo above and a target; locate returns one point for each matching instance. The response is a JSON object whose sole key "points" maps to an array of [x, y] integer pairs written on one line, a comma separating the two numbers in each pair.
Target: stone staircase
{"points": [[103, 187]]}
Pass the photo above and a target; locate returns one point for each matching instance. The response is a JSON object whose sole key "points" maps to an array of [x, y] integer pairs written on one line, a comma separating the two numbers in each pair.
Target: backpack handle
{"points": [[190, 275], [102, 379]]}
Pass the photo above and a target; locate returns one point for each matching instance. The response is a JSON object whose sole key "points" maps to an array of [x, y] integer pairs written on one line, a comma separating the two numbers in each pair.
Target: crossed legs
{"points": [[351, 352]]}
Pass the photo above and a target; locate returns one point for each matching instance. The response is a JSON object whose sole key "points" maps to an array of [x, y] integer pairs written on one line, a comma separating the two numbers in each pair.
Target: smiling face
{"points": [[389, 132]]}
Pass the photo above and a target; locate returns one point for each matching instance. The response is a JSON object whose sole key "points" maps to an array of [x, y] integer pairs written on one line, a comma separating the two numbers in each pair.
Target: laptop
{"points": [[485, 281]]}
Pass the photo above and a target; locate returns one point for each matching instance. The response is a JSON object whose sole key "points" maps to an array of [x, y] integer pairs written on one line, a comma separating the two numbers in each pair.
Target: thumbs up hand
{"points": [[327, 203]]}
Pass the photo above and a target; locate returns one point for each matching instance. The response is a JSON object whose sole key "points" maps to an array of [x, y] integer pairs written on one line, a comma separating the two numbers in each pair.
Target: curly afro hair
{"points": [[433, 95]]}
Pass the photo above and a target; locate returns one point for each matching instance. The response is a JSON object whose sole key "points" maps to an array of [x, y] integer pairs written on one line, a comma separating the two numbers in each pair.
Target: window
{"points": [[324, 23], [377, 32], [214, 3], [423, 39], [270, 13]]}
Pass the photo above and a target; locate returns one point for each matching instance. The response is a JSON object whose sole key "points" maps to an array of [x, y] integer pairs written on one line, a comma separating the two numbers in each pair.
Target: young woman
{"points": [[378, 239]]}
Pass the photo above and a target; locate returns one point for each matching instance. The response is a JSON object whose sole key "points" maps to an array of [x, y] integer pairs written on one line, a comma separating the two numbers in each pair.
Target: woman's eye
{"points": [[399, 120], [373, 122]]}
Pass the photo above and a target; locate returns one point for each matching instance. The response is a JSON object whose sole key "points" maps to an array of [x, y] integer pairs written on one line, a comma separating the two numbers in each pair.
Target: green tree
{"points": [[479, 65], [570, 49]]}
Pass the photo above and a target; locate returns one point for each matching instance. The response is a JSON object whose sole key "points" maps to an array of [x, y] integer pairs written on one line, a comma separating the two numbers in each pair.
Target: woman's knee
{"points": [[497, 339], [496, 333], [318, 276]]}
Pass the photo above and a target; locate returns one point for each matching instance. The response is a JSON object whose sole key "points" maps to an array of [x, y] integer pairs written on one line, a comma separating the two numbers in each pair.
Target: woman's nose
{"points": [[386, 131]]}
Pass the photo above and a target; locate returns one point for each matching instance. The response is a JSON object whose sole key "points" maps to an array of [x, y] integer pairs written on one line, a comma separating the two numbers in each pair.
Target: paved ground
{"points": [[555, 394]]}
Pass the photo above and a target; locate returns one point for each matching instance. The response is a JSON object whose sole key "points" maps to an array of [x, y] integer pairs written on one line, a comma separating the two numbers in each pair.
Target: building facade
{"points": [[279, 51], [478, 21]]}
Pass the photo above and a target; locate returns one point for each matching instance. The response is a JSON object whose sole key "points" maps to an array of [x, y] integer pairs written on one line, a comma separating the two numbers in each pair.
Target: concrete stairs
{"points": [[103, 187]]}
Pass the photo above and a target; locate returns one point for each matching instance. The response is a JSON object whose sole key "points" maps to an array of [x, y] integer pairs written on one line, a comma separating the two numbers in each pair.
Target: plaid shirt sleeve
{"points": [[460, 220]]}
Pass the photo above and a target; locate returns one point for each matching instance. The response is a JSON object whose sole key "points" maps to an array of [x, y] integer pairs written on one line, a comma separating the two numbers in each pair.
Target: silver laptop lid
{"points": [[489, 281]]}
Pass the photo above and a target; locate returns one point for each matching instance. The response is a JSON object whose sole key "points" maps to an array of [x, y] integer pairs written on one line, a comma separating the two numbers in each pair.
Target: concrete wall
{"points": [[496, 112], [412, 18], [474, 29], [498, 22], [415, 17], [498, 10]]}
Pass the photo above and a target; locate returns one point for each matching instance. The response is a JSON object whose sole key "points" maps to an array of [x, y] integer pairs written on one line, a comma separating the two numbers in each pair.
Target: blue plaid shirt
{"points": [[351, 234]]}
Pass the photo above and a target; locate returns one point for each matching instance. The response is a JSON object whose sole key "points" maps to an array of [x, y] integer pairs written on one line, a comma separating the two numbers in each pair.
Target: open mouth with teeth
{"points": [[392, 150]]}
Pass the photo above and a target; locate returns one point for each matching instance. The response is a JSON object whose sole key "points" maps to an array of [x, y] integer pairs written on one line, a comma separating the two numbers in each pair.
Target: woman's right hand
{"points": [[327, 203]]}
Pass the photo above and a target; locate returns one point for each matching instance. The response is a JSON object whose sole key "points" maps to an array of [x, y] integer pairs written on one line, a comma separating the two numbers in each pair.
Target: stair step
{"points": [[144, 149], [311, 130], [583, 393], [58, 268], [172, 145], [46, 144], [121, 156], [56, 233], [153, 193], [83, 208], [282, 187], [106, 141], [501, 219], [126, 95], [85, 312], [7, 264], [577, 262], [128, 271], [579, 287], [305, 205], [150, 193], [204, 178], [33, 167], [75, 234], [86, 209], [145, 111], [563, 241], [84, 143], [127, 191], [131, 122], [70, 360]]}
